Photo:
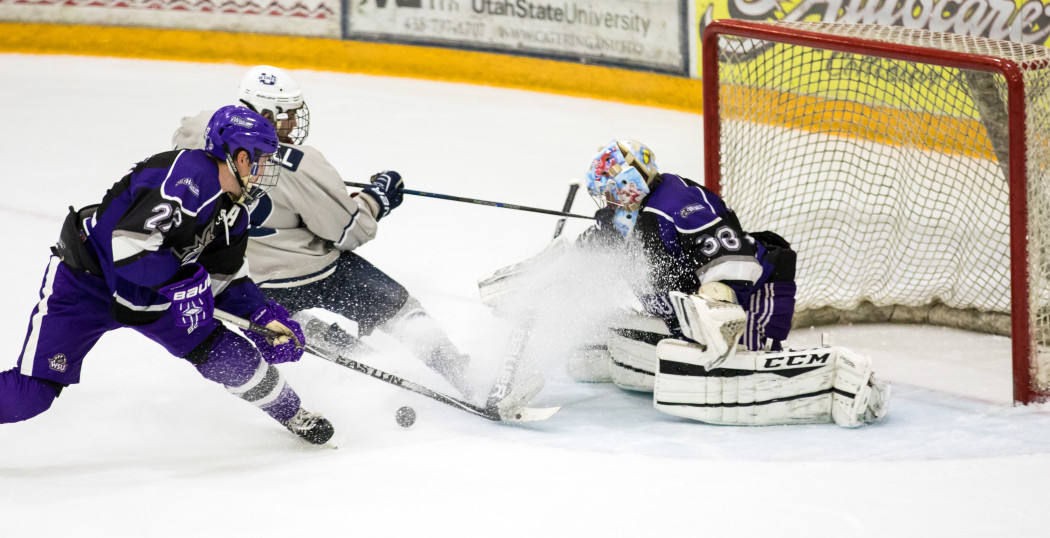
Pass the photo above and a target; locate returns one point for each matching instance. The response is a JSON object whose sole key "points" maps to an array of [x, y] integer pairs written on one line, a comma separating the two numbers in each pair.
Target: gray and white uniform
{"points": [[301, 227], [300, 254]]}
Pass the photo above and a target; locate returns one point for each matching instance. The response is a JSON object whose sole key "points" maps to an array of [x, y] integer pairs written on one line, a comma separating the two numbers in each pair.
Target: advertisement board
{"points": [[1023, 21], [314, 18], [648, 34]]}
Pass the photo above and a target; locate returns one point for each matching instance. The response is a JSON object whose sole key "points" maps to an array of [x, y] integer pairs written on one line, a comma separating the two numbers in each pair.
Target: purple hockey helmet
{"points": [[235, 128]]}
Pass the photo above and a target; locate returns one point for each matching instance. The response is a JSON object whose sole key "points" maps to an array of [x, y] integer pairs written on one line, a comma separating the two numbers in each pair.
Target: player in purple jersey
{"points": [[164, 248], [691, 240], [718, 303], [691, 243]]}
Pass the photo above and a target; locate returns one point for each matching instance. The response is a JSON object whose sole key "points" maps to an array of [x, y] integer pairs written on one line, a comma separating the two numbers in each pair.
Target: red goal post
{"points": [[907, 167]]}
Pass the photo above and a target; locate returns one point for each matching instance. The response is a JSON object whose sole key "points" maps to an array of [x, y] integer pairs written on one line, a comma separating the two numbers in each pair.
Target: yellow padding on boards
{"points": [[851, 119], [433, 63]]}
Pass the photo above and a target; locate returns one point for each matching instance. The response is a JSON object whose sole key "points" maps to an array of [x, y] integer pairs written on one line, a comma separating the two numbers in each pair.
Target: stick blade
{"points": [[528, 414], [513, 407]]}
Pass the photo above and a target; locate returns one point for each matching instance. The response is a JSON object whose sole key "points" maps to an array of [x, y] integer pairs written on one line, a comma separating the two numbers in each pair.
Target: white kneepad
{"points": [[589, 363], [625, 356], [711, 320], [859, 398], [632, 350]]}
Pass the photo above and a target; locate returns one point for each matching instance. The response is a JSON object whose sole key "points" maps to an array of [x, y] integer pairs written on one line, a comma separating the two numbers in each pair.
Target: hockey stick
{"points": [[481, 202], [519, 338], [508, 373], [573, 187], [495, 412], [250, 325], [500, 411]]}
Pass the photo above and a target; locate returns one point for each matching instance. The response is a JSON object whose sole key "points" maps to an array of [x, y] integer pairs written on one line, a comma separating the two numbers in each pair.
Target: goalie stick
{"points": [[573, 187], [507, 375], [519, 339], [502, 410]]}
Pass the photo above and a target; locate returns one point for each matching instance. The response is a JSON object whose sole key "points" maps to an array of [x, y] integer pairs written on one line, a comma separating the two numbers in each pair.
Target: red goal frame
{"points": [[1023, 346]]}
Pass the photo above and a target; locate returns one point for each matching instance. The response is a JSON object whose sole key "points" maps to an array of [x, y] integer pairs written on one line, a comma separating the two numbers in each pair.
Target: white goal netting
{"points": [[891, 177]]}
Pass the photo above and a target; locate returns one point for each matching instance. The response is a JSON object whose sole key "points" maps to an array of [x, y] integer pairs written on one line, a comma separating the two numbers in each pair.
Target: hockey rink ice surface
{"points": [[145, 447]]}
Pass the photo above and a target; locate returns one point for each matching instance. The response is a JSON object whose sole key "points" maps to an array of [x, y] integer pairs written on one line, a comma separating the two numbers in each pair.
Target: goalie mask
{"points": [[233, 129], [271, 92], [620, 176]]}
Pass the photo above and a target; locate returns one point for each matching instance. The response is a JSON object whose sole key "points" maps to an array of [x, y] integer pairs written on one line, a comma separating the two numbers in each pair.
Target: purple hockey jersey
{"points": [[168, 211], [690, 237]]}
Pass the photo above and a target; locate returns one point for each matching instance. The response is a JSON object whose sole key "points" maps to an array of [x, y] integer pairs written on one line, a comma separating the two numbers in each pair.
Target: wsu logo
{"points": [[58, 363]]}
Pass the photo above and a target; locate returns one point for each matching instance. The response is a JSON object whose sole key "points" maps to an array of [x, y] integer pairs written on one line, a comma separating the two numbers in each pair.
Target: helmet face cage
{"points": [[302, 124], [233, 129], [620, 174], [265, 172]]}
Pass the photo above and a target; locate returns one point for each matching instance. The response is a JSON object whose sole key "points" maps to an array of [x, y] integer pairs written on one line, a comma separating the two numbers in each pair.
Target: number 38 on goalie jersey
{"points": [[690, 236]]}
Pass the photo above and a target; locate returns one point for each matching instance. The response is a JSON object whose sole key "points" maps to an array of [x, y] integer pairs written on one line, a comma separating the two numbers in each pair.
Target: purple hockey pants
{"points": [[770, 309], [73, 313]]}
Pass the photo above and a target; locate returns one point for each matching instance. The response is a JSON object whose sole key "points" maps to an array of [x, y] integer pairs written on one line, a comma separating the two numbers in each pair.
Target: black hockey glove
{"points": [[387, 189]]}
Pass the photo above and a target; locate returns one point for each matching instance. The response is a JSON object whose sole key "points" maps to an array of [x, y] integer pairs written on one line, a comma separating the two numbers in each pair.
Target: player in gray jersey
{"points": [[304, 233]]}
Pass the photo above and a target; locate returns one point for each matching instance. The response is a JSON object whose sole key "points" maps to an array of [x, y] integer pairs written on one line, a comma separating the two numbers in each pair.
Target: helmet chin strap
{"points": [[239, 198]]}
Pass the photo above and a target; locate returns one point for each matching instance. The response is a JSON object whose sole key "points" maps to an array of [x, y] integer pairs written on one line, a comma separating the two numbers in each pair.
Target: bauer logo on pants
{"points": [[58, 363]]}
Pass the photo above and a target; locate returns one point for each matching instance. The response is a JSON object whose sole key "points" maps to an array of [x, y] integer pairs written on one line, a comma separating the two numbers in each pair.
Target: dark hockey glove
{"points": [[603, 234], [192, 303], [387, 189], [286, 348]]}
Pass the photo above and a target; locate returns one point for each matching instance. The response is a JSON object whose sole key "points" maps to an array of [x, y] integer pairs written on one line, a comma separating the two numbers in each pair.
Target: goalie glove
{"points": [[711, 318]]}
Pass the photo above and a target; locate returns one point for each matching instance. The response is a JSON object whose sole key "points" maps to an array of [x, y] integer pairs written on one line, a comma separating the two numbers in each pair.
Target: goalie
{"points": [[717, 306]]}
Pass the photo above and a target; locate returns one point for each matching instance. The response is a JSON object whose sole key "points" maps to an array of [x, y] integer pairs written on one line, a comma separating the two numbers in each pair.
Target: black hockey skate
{"points": [[311, 427]]}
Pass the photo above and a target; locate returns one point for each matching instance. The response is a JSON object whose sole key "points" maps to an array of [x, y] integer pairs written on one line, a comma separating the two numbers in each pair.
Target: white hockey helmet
{"points": [[273, 93]]}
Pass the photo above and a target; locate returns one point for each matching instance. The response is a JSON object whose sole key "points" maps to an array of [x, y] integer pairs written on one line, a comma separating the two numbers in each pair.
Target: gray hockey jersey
{"points": [[300, 227]]}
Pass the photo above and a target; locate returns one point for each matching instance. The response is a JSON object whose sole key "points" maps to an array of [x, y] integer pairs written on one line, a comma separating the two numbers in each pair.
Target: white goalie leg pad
{"points": [[859, 398], [714, 323], [749, 389], [632, 351], [589, 363]]}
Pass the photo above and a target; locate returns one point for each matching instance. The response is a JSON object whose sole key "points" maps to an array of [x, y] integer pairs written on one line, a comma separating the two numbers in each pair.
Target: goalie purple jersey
{"points": [[690, 236]]}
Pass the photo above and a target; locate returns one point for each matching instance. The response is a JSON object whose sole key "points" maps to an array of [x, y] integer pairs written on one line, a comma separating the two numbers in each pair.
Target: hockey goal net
{"points": [[908, 168]]}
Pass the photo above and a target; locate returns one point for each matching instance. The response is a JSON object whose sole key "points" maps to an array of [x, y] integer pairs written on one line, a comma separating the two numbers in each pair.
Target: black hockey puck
{"points": [[405, 416]]}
